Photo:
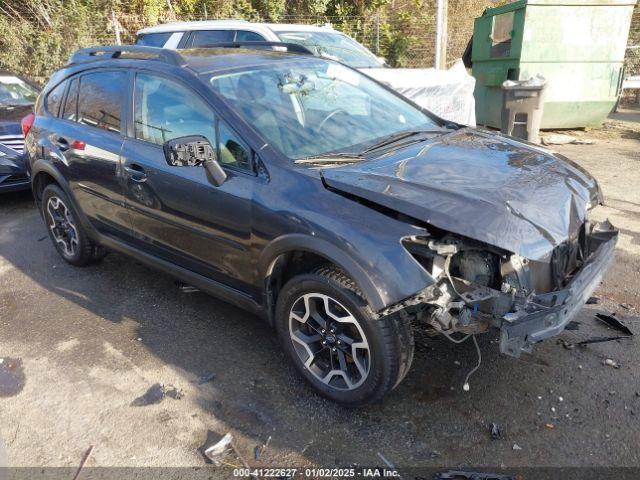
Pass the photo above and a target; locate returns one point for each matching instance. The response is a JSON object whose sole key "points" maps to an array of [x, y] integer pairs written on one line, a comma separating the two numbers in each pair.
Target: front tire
{"points": [[336, 342], [66, 232]]}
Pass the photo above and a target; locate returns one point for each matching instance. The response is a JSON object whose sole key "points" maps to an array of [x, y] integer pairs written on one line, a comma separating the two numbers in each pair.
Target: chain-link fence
{"points": [[405, 38]]}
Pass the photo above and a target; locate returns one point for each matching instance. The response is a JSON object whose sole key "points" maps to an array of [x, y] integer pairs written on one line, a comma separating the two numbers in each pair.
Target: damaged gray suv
{"points": [[311, 195]]}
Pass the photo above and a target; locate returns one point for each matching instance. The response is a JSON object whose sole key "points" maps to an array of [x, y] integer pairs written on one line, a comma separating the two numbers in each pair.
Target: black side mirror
{"points": [[195, 151]]}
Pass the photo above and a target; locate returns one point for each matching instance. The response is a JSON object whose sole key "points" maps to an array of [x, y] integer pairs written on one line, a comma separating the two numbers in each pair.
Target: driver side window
{"points": [[164, 110]]}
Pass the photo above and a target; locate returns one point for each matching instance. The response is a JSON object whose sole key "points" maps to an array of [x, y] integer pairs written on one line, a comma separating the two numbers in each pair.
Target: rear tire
{"points": [[67, 234], [336, 342]]}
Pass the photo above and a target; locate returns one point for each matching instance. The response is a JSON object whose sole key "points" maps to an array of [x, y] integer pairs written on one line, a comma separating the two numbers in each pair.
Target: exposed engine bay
{"points": [[478, 286]]}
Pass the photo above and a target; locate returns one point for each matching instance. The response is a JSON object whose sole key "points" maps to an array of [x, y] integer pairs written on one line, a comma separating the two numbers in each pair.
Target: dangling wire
{"points": [[466, 386]]}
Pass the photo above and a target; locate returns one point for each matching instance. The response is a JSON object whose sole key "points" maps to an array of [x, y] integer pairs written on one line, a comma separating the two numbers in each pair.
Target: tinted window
{"points": [[231, 149], [100, 99], [54, 99], [70, 111], [164, 110], [153, 39], [244, 36], [207, 37]]}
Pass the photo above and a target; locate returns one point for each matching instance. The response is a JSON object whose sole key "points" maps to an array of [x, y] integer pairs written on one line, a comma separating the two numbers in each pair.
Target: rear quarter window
{"points": [[54, 99], [246, 36], [153, 39]]}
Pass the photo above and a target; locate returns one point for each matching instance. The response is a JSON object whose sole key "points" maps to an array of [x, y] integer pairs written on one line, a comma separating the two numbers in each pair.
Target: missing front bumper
{"points": [[547, 315]]}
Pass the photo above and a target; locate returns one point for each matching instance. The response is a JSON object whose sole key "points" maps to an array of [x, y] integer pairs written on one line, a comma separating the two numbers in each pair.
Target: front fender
{"points": [[382, 283]]}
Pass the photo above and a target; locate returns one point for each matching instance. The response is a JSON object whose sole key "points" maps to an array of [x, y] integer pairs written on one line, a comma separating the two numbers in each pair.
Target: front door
{"points": [[176, 210]]}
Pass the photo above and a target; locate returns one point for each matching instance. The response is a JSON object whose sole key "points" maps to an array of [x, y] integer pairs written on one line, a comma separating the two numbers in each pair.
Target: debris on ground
{"points": [[12, 378], [626, 306], [565, 344], [517, 447], [611, 363], [593, 301], [155, 394], [174, 393], [184, 288], [387, 462], [217, 452], [550, 426], [495, 431], [572, 325], [83, 462], [614, 322], [563, 139], [240, 457], [584, 343], [207, 378], [461, 474], [260, 449]]}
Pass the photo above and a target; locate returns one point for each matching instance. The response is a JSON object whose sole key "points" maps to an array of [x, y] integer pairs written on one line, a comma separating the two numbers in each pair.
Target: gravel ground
{"points": [[80, 345]]}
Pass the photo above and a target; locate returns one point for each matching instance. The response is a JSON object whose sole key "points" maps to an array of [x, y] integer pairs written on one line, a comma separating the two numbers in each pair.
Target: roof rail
{"points": [[290, 47], [94, 54]]}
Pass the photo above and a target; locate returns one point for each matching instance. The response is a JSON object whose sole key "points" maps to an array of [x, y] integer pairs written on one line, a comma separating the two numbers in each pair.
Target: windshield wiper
{"points": [[330, 158], [396, 137]]}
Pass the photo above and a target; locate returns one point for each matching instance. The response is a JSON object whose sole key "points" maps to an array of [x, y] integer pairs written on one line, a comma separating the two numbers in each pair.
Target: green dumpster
{"points": [[577, 45]]}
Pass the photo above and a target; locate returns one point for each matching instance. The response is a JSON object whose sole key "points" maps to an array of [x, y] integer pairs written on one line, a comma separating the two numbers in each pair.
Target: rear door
{"points": [[176, 212], [87, 135]]}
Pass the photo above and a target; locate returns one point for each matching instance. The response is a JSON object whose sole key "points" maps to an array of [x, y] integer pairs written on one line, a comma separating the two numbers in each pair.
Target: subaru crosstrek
{"points": [[302, 190]]}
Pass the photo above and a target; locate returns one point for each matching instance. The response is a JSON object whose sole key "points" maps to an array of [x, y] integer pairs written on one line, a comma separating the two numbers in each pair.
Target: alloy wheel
{"points": [[329, 341], [62, 226]]}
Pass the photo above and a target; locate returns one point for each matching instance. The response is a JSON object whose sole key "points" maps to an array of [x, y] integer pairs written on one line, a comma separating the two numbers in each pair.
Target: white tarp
{"points": [[447, 93]]}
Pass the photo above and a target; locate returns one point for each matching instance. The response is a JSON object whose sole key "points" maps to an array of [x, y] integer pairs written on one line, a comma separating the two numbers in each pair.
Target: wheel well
{"points": [[285, 267], [40, 183]]}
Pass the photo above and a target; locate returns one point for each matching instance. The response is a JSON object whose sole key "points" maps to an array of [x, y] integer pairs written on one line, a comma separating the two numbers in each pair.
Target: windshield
{"points": [[14, 91], [313, 107], [335, 46]]}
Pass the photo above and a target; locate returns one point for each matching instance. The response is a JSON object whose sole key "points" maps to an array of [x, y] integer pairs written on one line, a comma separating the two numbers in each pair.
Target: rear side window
{"points": [[245, 36], [100, 99], [153, 39], [54, 99], [208, 37], [70, 111]]}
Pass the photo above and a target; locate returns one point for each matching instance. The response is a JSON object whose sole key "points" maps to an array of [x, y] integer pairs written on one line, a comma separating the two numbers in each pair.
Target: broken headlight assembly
{"points": [[473, 283], [477, 286]]}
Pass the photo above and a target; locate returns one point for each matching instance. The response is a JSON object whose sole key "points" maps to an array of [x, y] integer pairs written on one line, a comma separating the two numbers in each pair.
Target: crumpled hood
{"points": [[480, 185]]}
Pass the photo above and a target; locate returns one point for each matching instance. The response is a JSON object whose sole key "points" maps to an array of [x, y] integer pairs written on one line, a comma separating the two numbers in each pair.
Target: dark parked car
{"points": [[313, 196], [17, 97]]}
